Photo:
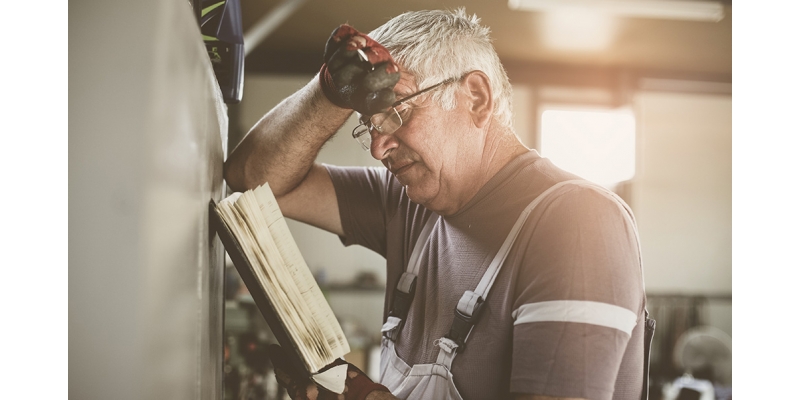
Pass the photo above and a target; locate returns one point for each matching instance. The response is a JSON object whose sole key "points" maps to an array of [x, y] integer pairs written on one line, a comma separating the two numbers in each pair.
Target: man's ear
{"points": [[479, 98]]}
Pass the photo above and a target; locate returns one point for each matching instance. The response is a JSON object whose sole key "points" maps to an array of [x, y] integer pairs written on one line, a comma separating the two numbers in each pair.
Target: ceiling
{"points": [[643, 46]]}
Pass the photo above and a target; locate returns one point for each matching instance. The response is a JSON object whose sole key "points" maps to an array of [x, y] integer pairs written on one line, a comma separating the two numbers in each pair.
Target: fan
{"points": [[704, 353]]}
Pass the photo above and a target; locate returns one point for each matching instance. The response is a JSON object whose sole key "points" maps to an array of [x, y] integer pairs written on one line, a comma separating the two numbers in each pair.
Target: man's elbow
{"points": [[233, 176]]}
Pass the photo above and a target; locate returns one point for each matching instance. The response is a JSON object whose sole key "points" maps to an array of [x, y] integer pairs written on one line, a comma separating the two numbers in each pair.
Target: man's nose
{"points": [[382, 145]]}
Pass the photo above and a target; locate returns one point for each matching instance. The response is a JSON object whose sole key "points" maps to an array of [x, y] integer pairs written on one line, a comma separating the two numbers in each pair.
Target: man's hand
{"points": [[358, 72], [357, 384]]}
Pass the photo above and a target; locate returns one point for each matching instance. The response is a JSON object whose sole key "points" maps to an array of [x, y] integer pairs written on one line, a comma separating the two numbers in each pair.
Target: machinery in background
{"points": [[688, 353], [704, 354], [221, 26], [248, 373]]}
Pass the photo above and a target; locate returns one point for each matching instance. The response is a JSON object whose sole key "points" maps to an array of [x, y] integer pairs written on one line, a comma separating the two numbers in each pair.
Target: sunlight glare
{"points": [[596, 145]]}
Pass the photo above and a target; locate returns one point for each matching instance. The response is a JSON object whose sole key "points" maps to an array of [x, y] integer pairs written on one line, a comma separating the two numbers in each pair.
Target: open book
{"points": [[261, 247]]}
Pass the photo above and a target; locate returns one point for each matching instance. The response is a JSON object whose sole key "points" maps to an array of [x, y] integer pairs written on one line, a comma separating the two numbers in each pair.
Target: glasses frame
{"points": [[369, 127]]}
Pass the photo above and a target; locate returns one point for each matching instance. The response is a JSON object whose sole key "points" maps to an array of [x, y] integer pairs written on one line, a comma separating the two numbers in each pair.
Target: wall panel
{"points": [[147, 132]]}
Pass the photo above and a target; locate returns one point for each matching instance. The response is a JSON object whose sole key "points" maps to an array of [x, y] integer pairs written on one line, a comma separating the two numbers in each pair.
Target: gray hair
{"points": [[434, 45]]}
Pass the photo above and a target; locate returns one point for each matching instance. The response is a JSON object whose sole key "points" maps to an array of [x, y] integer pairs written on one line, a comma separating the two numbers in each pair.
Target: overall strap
{"points": [[407, 285], [468, 309], [649, 332]]}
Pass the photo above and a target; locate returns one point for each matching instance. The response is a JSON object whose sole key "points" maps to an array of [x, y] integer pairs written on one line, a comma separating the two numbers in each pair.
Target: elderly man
{"points": [[507, 277]]}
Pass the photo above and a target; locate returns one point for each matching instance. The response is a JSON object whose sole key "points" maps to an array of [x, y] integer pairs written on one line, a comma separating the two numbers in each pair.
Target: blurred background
{"points": [[636, 95]]}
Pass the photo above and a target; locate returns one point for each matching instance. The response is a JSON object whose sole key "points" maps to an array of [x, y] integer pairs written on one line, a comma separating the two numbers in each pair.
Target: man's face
{"points": [[435, 153]]}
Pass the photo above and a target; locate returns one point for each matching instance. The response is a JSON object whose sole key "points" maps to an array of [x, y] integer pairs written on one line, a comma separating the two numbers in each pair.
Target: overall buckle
{"points": [[463, 324]]}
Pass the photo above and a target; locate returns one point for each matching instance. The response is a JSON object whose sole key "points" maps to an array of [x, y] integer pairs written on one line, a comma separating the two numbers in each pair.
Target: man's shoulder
{"points": [[580, 198]]}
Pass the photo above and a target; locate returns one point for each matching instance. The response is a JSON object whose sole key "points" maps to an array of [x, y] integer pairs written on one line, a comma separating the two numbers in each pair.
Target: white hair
{"points": [[434, 45]]}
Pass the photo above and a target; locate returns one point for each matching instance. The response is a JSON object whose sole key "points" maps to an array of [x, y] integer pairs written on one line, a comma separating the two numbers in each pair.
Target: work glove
{"points": [[351, 81], [300, 387]]}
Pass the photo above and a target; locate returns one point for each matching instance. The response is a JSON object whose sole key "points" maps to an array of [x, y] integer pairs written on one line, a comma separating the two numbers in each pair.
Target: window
{"points": [[598, 145]]}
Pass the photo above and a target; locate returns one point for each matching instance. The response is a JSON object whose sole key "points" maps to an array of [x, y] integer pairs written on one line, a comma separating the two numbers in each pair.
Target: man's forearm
{"points": [[282, 146]]}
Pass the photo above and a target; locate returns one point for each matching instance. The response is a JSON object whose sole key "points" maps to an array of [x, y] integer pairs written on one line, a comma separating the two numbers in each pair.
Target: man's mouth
{"points": [[402, 168]]}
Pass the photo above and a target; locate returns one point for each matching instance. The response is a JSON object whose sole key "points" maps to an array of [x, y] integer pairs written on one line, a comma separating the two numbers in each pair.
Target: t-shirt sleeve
{"points": [[361, 195], [578, 297]]}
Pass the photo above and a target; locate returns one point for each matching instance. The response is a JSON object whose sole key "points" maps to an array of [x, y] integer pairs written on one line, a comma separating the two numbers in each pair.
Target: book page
{"points": [[299, 270], [268, 279], [290, 297], [256, 221]]}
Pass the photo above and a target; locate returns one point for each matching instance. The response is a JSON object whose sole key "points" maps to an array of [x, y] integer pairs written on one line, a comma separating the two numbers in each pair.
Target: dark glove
{"points": [[349, 81], [299, 386]]}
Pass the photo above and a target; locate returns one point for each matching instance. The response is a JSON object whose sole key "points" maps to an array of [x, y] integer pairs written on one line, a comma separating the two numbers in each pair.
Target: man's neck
{"points": [[500, 148], [503, 148]]}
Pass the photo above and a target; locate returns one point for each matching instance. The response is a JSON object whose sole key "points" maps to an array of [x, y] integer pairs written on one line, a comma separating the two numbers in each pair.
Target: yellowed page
{"points": [[300, 272], [316, 349], [282, 291]]}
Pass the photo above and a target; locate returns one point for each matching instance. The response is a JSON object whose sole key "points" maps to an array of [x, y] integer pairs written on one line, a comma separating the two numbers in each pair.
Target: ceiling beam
{"points": [[267, 24]]}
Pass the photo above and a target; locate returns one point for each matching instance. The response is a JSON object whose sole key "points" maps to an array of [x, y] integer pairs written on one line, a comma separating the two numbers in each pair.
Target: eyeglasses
{"points": [[389, 121]]}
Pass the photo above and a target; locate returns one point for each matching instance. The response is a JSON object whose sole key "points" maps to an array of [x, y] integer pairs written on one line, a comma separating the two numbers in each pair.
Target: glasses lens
{"points": [[378, 120], [361, 134], [388, 122], [383, 123]]}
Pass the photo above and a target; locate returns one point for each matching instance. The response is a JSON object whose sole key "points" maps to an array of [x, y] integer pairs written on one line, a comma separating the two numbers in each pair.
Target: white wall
{"points": [[147, 128], [682, 192]]}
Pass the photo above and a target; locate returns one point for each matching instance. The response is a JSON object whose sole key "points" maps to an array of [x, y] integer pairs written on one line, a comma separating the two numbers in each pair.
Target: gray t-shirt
{"points": [[565, 316]]}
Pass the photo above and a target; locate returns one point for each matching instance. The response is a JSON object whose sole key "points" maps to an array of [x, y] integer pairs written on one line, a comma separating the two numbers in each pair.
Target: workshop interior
{"points": [[633, 94]]}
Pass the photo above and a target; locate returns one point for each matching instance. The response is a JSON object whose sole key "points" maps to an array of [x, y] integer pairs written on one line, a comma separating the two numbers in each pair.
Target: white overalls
{"points": [[435, 381]]}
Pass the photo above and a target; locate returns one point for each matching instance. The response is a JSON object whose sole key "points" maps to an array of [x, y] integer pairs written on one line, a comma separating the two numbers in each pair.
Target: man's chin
{"points": [[420, 187], [408, 180], [417, 194]]}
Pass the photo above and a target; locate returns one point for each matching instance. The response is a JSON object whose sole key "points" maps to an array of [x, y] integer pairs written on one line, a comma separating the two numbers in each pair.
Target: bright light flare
{"points": [[596, 145], [578, 29]]}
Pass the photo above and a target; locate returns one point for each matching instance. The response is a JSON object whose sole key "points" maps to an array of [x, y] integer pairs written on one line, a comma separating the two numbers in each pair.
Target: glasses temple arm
{"points": [[405, 99]]}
